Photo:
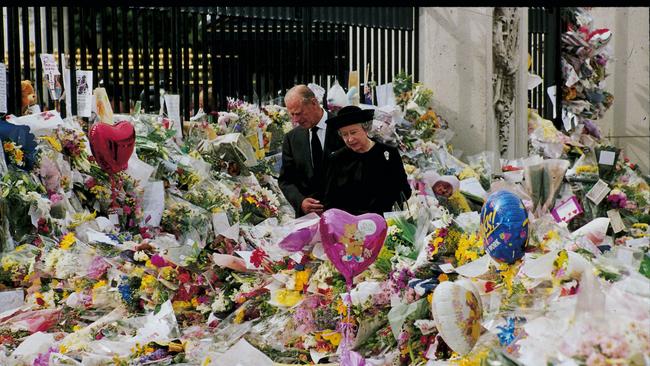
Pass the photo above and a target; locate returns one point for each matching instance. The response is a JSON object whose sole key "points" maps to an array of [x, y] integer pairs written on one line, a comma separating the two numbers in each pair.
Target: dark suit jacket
{"points": [[297, 174]]}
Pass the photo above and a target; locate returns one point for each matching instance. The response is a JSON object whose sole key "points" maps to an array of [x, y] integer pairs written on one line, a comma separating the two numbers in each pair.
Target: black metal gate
{"points": [[253, 53], [544, 49]]}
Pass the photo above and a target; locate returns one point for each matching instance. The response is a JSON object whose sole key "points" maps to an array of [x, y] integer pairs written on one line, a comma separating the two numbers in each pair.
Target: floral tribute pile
{"points": [[183, 259]]}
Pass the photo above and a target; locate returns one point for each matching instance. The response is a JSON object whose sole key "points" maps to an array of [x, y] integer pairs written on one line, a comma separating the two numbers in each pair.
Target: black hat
{"points": [[350, 115]]}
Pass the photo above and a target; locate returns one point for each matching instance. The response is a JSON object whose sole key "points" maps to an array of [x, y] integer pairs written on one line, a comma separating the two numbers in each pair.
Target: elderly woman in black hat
{"points": [[365, 175]]}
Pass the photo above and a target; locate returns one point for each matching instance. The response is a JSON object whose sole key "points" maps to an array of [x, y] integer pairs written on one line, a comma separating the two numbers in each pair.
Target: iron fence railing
{"points": [[253, 53], [544, 50]]}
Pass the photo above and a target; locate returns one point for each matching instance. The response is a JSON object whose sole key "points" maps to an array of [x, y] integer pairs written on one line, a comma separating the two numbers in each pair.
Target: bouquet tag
{"points": [[447, 267], [615, 220], [607, 157], [598, 192], [566, 210]]}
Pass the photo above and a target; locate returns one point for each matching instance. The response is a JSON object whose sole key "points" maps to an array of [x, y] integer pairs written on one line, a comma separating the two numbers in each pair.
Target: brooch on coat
{"points": [[386, 155]]}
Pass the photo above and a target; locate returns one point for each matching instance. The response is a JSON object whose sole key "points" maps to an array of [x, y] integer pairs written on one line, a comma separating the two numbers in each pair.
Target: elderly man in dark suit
{"points": [[306, 151]]}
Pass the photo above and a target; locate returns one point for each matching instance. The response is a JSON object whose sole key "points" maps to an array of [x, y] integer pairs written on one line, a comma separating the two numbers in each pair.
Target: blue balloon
{"points": [[504, 226], [22, 136]]}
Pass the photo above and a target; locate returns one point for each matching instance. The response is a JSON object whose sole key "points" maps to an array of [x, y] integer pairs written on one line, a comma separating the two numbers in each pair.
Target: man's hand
{"points": [[311, 205]]}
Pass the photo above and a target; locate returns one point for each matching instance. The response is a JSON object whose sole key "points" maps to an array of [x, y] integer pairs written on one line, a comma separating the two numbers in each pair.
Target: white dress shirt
{"points": [[321, 130]]}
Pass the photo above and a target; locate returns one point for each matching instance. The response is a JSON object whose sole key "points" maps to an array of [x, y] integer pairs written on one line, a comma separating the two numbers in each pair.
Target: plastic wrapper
{"points": [[543, 182], [300, 234], [233, 149], [40, 124], [29, 349], [187, 221], [336, 97], [584, 168], [32, 321], [485, 164], [594, 231]]}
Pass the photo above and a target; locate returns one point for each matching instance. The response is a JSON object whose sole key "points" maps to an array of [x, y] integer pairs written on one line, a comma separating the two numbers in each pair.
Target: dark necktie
{"points": [[316, 153]]}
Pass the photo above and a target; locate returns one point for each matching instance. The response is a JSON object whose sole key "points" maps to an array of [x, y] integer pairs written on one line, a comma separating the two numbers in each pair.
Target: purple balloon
{"points": [[351, 242]]}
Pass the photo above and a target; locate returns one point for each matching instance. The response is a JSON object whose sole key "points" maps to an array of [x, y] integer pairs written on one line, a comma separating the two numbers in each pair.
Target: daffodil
{"points": [[68, 240]]}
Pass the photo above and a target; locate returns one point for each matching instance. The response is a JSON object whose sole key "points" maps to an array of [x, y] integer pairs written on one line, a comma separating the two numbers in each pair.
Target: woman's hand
{"points": [[309, 205]]}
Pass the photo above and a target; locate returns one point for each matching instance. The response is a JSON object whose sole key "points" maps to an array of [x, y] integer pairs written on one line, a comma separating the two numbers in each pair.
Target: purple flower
{"points": [[158, 261], [43, 359]]}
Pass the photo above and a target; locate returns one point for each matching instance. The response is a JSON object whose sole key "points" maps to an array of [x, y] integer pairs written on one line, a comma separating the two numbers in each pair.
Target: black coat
{"points": [[370, 182], [297, 174]]}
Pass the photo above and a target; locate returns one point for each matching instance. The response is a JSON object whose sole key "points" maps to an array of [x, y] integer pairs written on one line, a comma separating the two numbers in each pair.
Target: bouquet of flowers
{"points": [[74, 144], [21, 190], [153, 141], [250, 117], [280, 124], [258, 204], [14, 154], [16, 265], [403, 88], [185, 220]]}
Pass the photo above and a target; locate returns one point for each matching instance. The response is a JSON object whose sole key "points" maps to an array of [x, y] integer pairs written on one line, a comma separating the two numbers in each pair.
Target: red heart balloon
{"points": [[112, 145]]}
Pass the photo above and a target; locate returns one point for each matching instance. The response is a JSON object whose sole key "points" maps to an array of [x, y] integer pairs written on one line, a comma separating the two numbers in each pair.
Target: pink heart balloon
{"points": [[351, 242]]}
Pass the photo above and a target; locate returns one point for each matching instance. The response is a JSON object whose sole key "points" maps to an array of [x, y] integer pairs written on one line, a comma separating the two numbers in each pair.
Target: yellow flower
{"points": [[18, 155], [287, 298], [137, 271], [167, 273], [443, 277], [80, 217], [302, 279], [472, 359], [207, 361], [8, 146], [67, 241], [181, 305], [63, 349], [470, 247], [341, 308], [468, 173], [8, 264], [56, 145], [430, 298], [459, 201], [101, 192], [76, 328], [587, 169], [436, 245], [507, 273], [239, 316], [148, 282], [99, 284], [148, 264], [333, 337]]}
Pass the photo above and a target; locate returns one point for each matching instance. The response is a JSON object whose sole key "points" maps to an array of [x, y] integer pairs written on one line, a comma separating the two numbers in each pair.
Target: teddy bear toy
{"points": [[28, 97]]}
